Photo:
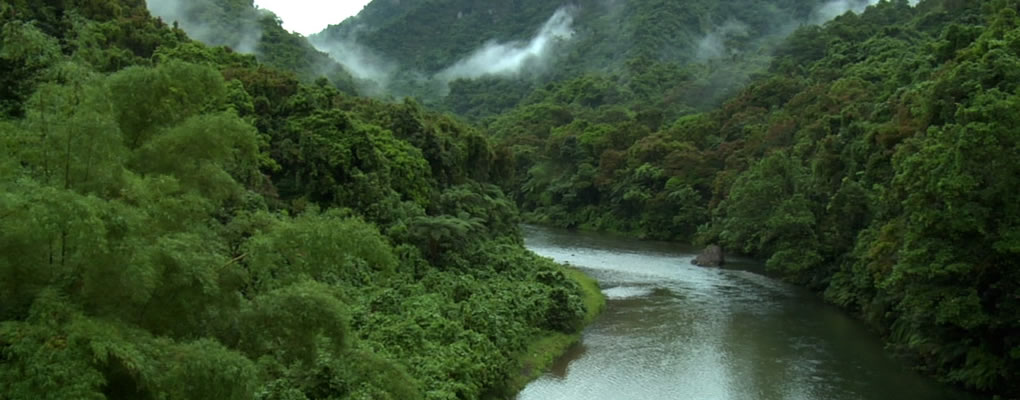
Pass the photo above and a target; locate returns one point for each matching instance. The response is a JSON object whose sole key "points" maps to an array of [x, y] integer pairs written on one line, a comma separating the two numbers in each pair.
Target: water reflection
{"points": [[675, 331]]}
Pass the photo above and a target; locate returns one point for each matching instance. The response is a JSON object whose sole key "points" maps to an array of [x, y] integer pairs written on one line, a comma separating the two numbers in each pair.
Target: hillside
{"points": [[183, 222], [446, 52], [242, 27], [193, 222], [433, 35], [869, 158], [874, 162]]}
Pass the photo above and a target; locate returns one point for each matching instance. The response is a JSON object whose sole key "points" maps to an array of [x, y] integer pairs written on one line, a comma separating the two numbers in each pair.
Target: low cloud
{"points": [[724, 41], [361, 62], [835, 8], [511, 58], [211, 24], [714, 44]]}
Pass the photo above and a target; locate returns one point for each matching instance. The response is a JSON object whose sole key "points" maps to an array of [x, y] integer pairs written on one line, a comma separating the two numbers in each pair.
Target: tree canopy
{"points": [[182, 222]]}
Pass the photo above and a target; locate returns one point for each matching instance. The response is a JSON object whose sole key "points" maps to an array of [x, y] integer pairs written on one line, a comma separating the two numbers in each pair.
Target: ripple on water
{"points": [[676, 331], [626, 292]]}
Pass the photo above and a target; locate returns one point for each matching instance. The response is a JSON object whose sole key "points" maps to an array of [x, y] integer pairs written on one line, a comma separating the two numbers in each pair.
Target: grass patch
{"points": [[546, 346], [594, 300]]}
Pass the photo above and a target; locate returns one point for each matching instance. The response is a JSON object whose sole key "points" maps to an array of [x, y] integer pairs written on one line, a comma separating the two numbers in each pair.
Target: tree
{"points": [[25, 53], [330, 248]]}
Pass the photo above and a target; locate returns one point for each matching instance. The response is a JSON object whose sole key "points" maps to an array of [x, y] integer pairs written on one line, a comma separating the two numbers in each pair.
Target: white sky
{"points": [[311, 16]]}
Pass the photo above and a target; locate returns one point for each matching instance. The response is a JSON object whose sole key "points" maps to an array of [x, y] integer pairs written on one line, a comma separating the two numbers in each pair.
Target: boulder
{"points": [[712, 256]]}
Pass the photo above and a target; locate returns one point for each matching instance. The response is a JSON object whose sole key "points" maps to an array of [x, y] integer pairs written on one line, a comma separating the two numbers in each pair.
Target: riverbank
{"points": [[547, 346], [672, 330]]}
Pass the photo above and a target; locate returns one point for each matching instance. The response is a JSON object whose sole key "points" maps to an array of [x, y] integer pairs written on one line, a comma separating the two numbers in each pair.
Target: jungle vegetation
{"points": [[872, 158], [182, 222], [268, 235]]}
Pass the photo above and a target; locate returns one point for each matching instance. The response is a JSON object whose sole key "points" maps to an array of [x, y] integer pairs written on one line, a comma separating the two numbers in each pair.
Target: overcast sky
{"points": [[311, 16]]}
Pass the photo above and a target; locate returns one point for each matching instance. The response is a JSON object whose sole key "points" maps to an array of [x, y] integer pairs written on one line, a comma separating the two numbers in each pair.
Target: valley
{"points": [[198, 203]]}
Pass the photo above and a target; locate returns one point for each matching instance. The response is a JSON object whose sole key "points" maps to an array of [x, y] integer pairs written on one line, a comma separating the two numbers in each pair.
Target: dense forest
{"points": [[239, 25], [173, 212], [875, 161], [418, 42], [872, 158], [181, 222]]}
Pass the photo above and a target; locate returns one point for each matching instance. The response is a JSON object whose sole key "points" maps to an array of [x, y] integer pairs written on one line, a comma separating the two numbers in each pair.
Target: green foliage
{"points": [[766, 206], [64, 354], [148, 99], [328, 248], [869, 160], [25, 53], [292, 52], [60, 370], [652, 46], [292, 322], [240, 26], [181, 222], [901, 214]]}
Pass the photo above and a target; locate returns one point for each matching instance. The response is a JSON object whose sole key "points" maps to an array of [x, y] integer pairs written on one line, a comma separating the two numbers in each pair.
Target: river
{"points": [[672, 330]]}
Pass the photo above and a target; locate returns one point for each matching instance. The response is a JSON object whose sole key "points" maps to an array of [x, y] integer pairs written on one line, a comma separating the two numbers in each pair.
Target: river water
{"points": [[672, 330]]}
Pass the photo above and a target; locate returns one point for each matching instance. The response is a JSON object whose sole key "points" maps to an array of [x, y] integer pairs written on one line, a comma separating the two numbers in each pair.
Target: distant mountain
{"points": [[241, 26], [515, 46], [431, 35]]}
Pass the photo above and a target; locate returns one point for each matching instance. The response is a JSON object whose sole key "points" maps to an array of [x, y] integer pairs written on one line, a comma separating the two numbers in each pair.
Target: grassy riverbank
{"points": [[547, 346]]}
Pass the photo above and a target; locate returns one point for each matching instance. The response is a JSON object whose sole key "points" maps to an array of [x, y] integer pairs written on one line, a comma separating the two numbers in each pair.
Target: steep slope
{"points": [[874, 162], [239, 25], [433, 35], [454, 53], [182, 222]]}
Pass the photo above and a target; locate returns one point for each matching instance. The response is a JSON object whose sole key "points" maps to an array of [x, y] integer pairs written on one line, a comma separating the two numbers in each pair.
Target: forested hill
{"points": [[478, 59], [872, 157], [875, 160], [181, 222], [432, 35], [241, 26]]}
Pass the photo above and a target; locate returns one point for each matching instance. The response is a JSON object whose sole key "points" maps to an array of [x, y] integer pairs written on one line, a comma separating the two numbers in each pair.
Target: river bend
{"points": [[672, 330]]}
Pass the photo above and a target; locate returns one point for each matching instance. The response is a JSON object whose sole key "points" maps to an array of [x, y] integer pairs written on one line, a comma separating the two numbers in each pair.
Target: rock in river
{"points": [[712, 256]]}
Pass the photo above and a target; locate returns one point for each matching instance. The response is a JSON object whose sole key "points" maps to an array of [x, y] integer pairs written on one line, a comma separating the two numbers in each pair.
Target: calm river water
{"points": [[672, 330]]}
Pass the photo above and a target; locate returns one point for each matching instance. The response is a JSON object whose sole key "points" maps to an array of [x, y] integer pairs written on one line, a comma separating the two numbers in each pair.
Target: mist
{"points": [[511, 58], [713, 45], [835, 8], [202, 21], [732, 52], [358, 60], [376, 74], [717, 43]]}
